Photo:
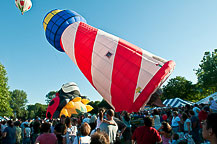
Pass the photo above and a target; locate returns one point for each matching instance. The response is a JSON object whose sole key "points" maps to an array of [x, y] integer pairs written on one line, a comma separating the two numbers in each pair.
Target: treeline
{"points": [[14, 103], [206, 81]]}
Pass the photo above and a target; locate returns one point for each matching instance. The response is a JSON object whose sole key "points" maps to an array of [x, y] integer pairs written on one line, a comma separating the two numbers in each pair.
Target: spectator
{"points": [[187, 123], [213, 105], [36, 130], [86, 118], [46, 137], [166, 132], [110, 129], [3, 126], [146, 134], [196, 109], [18, 132], [127, 134], [27, 134], [84, 138], [176, 122], [9, 134], [60, 131], [69, 133], [93, 122], [62, 119], [99, 138], [156, 117], [210, 128], [195, 127]]}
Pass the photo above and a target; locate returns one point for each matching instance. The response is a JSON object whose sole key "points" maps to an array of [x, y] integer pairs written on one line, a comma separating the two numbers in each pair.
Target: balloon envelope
{"points": [[23, 5], [124, 74]]}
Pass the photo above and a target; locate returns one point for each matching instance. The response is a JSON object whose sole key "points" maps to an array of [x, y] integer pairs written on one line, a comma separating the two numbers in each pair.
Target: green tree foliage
{"points": [[95, 105], [50, 96], [37, 110], [179, 87], [207, 71], [18, 102], [5, 109], [104, 104]]}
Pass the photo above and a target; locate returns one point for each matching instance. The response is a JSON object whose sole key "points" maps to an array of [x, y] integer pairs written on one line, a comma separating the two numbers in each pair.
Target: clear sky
{"points": [[179, 30]]}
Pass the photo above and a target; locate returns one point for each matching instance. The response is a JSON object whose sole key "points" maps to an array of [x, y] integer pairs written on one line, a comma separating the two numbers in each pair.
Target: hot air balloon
{"points": [[23, 5], [68, 101], [124, 74]]}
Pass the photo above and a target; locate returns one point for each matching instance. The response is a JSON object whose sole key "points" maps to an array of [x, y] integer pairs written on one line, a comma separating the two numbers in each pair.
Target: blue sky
{"points": [[179, 30]]}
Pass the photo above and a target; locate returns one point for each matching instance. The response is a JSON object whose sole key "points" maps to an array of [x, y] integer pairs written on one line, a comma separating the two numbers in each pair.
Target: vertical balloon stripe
{"points": [[102, 63], [68, 40], [125, 75], [147, 71], [163, 72], [84, 42]]}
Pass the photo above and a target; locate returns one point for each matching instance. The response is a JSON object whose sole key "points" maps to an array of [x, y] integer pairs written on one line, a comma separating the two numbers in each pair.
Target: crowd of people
{"points": [[188, 124]]}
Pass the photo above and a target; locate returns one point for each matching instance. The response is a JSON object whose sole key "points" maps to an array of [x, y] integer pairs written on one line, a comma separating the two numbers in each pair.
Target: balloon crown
{"points": [[56, 21]]}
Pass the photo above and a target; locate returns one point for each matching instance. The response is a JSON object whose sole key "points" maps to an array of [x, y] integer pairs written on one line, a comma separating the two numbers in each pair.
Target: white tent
{"points": [[206, 99], [176, 102]]}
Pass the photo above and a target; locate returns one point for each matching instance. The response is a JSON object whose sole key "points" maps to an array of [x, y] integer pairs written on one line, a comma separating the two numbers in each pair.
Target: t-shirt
{"points": [[70, 134], [27, 132], [157, 123], [98, 122], [146, 135], [195, 120], [47, 138], [18, 134], [10, 136], [175, 121], [82, 140], [186, 125], [111, 130]]}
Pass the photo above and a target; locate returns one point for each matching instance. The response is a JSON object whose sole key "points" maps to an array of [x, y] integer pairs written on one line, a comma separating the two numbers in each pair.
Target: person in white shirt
{"points": [[84, 138], [175, 122]]}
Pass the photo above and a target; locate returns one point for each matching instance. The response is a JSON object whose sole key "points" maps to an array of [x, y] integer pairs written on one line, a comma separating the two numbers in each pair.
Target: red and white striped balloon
{"points": [[124, 74]]}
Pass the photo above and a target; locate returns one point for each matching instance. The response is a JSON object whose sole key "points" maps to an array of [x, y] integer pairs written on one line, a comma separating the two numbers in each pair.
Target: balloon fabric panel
{"points": [[85, 38], [125, 74]]}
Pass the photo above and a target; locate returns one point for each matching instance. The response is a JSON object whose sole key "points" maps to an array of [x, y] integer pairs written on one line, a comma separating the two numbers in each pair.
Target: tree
{"points": [[18, 102], [104, 104], [5, 109], [95, 105], [207, 71], [181, 88], [37, 110], [50, 96]]}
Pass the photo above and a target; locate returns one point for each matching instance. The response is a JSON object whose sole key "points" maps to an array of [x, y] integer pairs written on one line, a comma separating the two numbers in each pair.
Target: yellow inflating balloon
{"points": [[85, 101], [76, 106]]}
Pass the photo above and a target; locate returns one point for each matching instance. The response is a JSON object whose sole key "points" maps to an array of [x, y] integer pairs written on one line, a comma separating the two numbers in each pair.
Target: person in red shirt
{"points": [[46, 137], [146, 134], [203, 115]]}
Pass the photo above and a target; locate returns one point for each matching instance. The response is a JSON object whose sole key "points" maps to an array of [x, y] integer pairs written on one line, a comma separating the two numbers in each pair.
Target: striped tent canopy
{"points": [[176, 102], [206, 99]]}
